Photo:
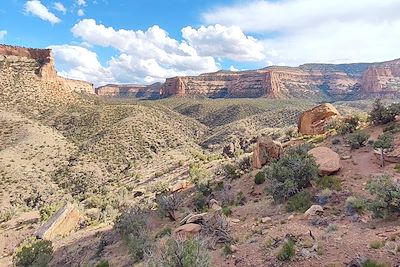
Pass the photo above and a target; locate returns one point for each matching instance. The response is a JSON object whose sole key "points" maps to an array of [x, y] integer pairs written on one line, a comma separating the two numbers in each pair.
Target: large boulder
{"points": [[61, 223], [266, 150], [188, 229], [313, 121], [328, 161]]}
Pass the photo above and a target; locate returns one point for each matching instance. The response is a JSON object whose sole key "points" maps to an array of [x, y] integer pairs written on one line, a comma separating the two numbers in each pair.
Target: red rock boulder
{"points": [[313, 121], [266, 150], [328, 161]]}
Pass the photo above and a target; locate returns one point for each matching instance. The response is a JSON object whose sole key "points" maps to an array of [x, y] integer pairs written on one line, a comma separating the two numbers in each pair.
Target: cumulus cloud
{"points": [[225, 42], [60, 7], [2, 34], [81, 2], [80, 63], [81, 13], [298, 31], [36, 8], [144, 56]]}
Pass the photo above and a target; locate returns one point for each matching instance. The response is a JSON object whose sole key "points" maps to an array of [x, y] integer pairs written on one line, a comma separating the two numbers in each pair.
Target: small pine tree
{"points": [[385, 141]]}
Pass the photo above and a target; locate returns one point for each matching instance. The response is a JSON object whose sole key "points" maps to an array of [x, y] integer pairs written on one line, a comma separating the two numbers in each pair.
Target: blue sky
{"points": [[145, 41]]}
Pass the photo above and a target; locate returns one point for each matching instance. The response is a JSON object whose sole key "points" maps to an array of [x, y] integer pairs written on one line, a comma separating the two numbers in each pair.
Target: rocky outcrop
{"points": [[130, 90], [266, 150], [188, 229], [313, 121], [382, 79], [61, 223], [328, 161], [78, 86]]}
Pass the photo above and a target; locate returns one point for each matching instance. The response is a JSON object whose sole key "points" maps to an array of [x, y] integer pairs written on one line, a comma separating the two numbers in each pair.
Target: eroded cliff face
{"points": [[25, 62], [130, 90], [314, 81], [382, 79]]}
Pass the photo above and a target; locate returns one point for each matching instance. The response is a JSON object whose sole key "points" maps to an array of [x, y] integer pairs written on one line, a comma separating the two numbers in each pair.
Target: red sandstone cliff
{"points": [[382, 78], [130, 90]]}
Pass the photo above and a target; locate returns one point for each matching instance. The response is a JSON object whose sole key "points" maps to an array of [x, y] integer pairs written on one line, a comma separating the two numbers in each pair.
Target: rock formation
{"points": [[61, 223], [266, 150], [328, 161], [130, 90], [313, 121]]}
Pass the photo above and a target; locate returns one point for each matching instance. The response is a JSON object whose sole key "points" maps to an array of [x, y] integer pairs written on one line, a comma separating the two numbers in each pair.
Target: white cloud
{"points": [[232, 68], [81, 2], [81, 13], [2, 34], [36, 8], [80, 63], [60, 7], [298, 31], [225, 42], [144, 56]]}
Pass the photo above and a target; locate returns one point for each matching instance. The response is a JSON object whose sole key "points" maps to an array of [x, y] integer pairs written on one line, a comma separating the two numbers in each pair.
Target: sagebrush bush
{"points": [[199, 174], [182, 253], [293, 172], [357, 139], [287, 251], [299, 202], [355, 205], [33, 253], [259, 178], [168, 204], [133, 227], [387, 196], [330, 182], [373, 263]]}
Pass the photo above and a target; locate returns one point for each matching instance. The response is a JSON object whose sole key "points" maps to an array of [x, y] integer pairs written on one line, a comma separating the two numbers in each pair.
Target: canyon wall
{"points": [[130, 90], [25, 61]]}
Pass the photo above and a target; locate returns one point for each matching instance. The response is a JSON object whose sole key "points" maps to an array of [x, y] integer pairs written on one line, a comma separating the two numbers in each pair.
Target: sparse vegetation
{"points": [[287, 251], [381, 114], [299, 202], [259, 178], [330, 182], [376, 244], [355, 205], [293, 172], [33, 253], [387, 196], [168, 204], [373, 263], [357, 139]]}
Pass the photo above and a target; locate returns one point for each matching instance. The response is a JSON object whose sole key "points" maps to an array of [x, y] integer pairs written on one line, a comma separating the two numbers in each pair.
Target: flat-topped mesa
{"points": [[45, 62], [39, 62], [130, 90]]}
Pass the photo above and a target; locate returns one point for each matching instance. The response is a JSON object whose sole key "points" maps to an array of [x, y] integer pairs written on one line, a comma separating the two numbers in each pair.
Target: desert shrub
{"points": [[168, 204], [384, 141], [376, 244], [387, 196], [331, 228], [226, 195], [200, 202], [287, 251], [47, 211], [335, 141], [133, 227], [244, 164], [216, 230], [259, 178], [299, 202], [6, 215], [381, 114], [226, 211], [34, 253], [198, 174], [391, 127], [357, 139], [355, 205], [165, 231], [330, 182], [231, 171], [373, 263], [293, 172], [182, 253], [324, 196], [103, 264], [344, 126], [397, 167]]}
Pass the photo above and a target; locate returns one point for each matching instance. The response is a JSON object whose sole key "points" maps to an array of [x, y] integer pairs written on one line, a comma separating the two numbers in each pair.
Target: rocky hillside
{"points": [[130, 90]]}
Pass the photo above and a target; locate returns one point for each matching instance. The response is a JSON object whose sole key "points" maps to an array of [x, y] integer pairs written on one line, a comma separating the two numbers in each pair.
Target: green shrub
{"points": [[381, 114], [376, 244], [133, 227], [103, 264], [331, 182], [165, 231], [397, 167], [182, 253], [355, 205], [384, 141], [231, 171], [373, 263], [387, 196], [227, 211], [293, 172], [357, 139], [299, 202], [287, 251], [200, 202], [198, 174], [168, 204], [47, 211], [259, 178], [34, 253]]}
